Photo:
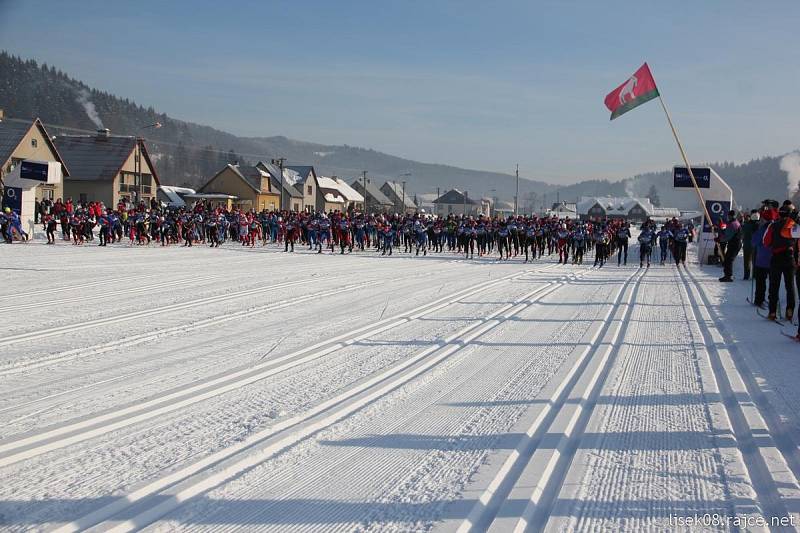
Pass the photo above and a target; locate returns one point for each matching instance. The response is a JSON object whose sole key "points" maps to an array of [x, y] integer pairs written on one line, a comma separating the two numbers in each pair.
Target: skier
{"points": [[664, 238], [645, 245], [623, 234]]}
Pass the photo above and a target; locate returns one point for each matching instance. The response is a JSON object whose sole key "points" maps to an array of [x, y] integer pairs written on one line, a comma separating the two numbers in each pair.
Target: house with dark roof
{"points": [[27, 141], [455, 202], [292, 196], [401, 197], [254, 187], [314, 197], [376, 201], [108, 168]]}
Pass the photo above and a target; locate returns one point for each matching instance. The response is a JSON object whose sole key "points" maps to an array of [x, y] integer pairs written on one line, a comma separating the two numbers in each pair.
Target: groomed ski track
{"points": [[231, 388]]}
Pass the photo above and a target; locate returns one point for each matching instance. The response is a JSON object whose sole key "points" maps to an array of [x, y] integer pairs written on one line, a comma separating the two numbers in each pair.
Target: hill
{"points": [[188, 153]]}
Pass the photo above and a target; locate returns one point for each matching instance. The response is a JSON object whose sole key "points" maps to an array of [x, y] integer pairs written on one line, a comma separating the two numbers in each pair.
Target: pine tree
{"points": [[652, 194]]}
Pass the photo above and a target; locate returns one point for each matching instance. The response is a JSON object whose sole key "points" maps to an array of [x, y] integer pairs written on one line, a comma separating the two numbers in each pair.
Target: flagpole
{"points": [[686, 162]]}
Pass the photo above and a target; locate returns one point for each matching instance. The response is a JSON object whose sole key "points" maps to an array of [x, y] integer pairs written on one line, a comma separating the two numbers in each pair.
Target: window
{"points": [[83, 198], [34, 143], [310, 190]]}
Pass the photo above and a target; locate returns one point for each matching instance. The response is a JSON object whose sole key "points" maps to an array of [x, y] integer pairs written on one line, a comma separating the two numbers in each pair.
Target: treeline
{"points": [[29, 90]]}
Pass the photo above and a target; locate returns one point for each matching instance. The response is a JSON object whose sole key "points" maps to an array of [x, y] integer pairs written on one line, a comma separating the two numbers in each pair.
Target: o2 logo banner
{"points": [[12, 197], [717, 210]]}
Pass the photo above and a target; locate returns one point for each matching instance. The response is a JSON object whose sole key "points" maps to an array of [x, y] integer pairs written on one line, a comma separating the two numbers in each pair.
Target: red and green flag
{"points": [[638, 89]]}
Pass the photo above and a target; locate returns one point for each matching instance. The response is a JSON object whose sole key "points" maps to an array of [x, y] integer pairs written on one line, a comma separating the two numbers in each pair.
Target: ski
{"points": [[762, 315], [795, 337]]}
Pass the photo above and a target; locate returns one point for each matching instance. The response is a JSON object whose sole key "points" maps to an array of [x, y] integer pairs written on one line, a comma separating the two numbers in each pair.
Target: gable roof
{"points": [[13, 131], [613, 206], [96, 158], [302, 170], [349, 193], [397, 189], [454, 196], [252, 175], [273, 171], [372, 191]]}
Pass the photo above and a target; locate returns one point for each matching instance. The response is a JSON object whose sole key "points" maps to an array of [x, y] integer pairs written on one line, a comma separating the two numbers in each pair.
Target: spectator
{"points": [[731, 240], [778, 238], [749, 227], [761, 259]]}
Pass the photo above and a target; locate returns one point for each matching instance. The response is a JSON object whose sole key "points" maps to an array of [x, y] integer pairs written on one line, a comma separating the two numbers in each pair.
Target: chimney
{"points": [[103, 133]]}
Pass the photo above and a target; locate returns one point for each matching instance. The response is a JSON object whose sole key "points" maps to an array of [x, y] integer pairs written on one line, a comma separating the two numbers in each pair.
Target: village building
{"points": [[455, 202], [424, 202], [107, 168], [253, 187], [502, 209], [564, 210], [633, 210], [25, 145], [291, 196], [401, 197], [354, 200], [375, 200]]}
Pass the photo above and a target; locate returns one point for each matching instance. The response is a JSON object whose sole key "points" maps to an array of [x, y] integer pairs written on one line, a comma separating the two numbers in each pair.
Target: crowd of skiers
{"points": [[515, 236]]}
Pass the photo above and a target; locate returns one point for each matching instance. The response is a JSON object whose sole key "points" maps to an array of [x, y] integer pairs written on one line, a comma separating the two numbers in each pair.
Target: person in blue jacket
{"points": [[762, 257]]}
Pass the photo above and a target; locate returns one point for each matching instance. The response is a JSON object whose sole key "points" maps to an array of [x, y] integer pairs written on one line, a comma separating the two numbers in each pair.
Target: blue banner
{"points": [[682, 179], [30, 170], [12, 197], [717, 209]]}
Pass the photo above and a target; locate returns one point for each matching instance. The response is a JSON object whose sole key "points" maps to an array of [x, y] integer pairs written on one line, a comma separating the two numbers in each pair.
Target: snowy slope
{"points": [[201, 389]]}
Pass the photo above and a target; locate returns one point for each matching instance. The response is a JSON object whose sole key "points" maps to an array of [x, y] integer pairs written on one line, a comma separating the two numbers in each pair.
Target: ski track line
{"points": [[31, 446], [769, 470], [493, 497], [182, 329], [137, 278], [144, 287], [785, 436], [133, 340], [571, 423], [190, 327], [85, 324], [337, 408], [511, 388], [89, 324]]}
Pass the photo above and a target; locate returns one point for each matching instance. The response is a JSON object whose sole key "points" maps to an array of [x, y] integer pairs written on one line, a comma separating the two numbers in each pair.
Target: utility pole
{"points": [[436, 207], [465, 203], [279, 161], [137, 162], [516, 196], [403, 203], [364, 176]]}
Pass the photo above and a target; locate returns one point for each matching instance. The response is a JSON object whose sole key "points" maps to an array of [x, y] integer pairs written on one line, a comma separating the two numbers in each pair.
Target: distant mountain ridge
{"points": [[189, 154]]}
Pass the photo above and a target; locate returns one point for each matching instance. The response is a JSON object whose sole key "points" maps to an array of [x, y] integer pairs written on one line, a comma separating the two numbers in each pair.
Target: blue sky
{"points": [[475, 84]]}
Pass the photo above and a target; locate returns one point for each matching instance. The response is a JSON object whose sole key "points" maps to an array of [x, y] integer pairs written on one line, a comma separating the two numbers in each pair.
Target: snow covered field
{"points": [[197, 389]]}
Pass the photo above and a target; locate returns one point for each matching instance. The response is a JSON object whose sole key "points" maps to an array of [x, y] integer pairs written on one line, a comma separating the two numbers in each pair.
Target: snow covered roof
{"points": [[333, 197], [292, 176], [174, 193], [614, 206], [396, 188], [347, 191]]}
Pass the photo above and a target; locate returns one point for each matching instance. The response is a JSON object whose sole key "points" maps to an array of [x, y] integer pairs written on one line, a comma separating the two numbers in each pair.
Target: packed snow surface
{"points": [[197, 389]]}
